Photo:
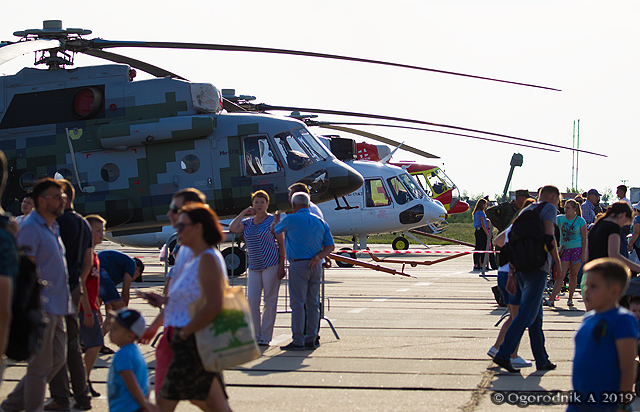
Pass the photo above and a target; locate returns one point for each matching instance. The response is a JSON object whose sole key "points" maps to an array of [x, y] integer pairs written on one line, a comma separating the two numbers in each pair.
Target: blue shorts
{"points": [[502, 284], [91, 337], [108, 292]]}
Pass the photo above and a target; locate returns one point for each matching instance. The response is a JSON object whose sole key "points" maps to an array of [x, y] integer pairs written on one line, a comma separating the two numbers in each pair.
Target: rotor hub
{"points": [[52, 29]]}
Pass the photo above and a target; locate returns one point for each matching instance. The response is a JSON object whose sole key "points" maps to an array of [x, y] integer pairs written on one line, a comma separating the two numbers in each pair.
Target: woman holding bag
{"points": [[203, 277]]}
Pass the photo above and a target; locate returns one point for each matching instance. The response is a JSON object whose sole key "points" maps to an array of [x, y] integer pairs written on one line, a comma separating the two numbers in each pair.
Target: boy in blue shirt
{"points": [[604, 367], [127, 382]]}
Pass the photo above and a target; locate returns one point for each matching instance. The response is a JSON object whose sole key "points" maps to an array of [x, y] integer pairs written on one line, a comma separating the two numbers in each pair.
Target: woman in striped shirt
{"points": [[266, 263]]}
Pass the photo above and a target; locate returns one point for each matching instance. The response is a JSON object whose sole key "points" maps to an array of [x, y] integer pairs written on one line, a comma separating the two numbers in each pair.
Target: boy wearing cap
{"points": [[127, 382]]}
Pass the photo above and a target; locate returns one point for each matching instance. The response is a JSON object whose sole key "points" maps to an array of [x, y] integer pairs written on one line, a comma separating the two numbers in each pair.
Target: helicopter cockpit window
{"points": [[411, 185], [259, 158], [422, 180], [110, 172], [312, 146], [291, 151], [439, 182], [399, 191], [190, 164], [375, 194]]}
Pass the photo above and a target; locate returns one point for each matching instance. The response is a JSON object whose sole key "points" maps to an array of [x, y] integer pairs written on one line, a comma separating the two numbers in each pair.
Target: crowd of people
{"points": [[79, 281], [580, 238]]}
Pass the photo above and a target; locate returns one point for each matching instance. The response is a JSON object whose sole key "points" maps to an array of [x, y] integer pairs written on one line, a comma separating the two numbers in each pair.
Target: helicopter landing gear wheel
{"points": [[236, 260], [346, 254], [400, 243]]}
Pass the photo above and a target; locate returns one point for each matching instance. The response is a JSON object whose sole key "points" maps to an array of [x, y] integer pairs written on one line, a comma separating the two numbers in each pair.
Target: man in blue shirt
{"points": [[39, 237], [9, 268], [115, 268], [307, 242]]}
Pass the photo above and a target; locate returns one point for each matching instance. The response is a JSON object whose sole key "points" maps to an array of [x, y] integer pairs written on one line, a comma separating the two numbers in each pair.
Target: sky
{"points": [[587, 49]]}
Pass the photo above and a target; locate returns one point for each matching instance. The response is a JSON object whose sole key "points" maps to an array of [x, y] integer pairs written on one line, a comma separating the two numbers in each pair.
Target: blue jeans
{"points": [[304, 288], [529, 316]]}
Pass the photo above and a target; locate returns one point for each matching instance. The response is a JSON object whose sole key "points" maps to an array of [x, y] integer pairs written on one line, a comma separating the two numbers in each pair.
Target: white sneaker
{"points": [[492, 352], [519, 363]]}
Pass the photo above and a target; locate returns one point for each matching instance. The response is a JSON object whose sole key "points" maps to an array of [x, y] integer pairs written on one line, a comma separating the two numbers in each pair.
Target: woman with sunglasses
{"points": [[266, 263], [204, 275]]}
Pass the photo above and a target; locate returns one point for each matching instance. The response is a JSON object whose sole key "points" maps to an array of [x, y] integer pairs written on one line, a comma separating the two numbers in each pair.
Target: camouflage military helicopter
{"points": [[129, 145]]}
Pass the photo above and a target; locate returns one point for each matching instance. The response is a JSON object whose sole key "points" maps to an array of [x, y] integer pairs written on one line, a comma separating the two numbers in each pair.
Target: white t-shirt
{"points": [[185, 288]]}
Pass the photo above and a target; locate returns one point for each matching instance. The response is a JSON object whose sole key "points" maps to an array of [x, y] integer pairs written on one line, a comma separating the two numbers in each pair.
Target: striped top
{"points": [[261, 244]]}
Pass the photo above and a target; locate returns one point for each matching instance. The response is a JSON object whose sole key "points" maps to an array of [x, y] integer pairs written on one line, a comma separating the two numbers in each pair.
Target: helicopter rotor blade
{"points": [[137, 64], [454, 134], [266, 107], [102, 44], [311, 123], [10, 51], [380, 139]]}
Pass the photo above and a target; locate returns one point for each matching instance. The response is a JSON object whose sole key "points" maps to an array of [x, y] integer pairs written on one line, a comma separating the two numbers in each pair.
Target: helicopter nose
{"points": [[346, 181], [437, 211]]}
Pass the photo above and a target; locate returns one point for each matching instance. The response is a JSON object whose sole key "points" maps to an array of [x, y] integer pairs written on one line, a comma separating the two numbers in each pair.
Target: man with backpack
{"points": [[532, 246], [8, 269], [39, 237]]}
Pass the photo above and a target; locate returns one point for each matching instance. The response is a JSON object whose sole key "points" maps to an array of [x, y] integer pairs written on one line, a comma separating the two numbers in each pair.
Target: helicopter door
{"points": [[377, 202], [261, 168]]}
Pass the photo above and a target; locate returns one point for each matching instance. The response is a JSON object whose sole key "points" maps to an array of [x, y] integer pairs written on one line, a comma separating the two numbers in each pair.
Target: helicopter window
{"points": [[422, 180], [258, 156], [110, 172], [292, 151], [311, 145], [411, 185], [190, 164], [28, 180], [63, 174], [439, 182], [375, 193], [398, 190]]}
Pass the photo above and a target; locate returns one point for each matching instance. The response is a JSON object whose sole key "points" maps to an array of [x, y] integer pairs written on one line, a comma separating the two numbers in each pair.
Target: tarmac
{"points": [[400, 344]]}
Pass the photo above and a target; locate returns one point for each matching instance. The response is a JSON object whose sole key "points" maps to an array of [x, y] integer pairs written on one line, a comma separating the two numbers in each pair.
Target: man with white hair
{"points": [[307, 242]]}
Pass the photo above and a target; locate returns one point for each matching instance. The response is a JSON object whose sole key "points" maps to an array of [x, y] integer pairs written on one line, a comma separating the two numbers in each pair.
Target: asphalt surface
{"points": [[405, 344]]}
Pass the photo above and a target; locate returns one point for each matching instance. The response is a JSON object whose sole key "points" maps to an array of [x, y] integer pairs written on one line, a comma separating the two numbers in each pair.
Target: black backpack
{"points": [[28, 320], [527, 241]]}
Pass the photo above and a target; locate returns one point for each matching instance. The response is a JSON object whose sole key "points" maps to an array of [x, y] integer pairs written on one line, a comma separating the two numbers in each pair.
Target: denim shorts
{"points": [[91, 337], [502, 284], [108, 291]]}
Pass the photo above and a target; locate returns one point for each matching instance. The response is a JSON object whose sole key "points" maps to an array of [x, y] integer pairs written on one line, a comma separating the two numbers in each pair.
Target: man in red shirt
{"points": [[90, 328]]}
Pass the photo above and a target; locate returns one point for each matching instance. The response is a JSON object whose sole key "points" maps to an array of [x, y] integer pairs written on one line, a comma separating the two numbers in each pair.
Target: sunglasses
{"points": [[174, 209], [181, 225]]}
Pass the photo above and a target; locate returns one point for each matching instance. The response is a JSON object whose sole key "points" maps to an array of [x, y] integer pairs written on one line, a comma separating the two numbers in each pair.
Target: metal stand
{"points": [[322, 317]]}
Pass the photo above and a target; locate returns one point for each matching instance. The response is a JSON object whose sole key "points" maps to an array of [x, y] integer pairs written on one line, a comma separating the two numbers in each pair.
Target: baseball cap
{"points": [[132, 320], [522, 192], [594, 192], [637, 206]]}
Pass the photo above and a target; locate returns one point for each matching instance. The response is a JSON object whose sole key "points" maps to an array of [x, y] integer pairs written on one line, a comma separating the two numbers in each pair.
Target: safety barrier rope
{"points": [[417, 252]]}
